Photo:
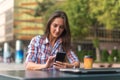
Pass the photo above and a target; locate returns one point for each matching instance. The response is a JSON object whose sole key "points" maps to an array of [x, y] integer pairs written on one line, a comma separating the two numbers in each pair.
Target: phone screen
{"points": [[60, 56]]}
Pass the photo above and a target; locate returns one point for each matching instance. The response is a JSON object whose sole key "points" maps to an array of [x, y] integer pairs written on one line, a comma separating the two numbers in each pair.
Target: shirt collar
{"points": [[46, 41]]}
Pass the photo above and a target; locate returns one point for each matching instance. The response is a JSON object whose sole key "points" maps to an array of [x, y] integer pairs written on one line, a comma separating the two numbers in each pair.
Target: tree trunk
{"points": [[98, 57]]}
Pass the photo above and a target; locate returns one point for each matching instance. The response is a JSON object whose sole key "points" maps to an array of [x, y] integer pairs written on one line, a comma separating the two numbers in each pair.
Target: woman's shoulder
{"points": [[38, 37]]}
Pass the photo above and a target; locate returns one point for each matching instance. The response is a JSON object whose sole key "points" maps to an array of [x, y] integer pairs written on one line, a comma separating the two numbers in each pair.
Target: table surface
{"points": [[53, 75]]}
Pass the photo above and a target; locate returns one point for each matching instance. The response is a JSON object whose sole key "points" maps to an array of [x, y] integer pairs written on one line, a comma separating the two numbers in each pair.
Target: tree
{"points": [[106, 12], [85, 15], [81, 22], [77, 11], [43, 7]]}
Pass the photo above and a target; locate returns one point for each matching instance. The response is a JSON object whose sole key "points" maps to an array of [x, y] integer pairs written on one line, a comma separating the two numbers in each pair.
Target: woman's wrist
{"points": [[74, 66], [45, 66], [70, 65]]}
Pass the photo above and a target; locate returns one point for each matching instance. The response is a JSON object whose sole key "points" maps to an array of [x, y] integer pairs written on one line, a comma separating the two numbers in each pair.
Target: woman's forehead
{"points": [[59, 21]]}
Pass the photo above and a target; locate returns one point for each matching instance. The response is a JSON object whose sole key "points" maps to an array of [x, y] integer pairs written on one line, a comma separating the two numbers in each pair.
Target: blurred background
{"points": [[94, 24]]}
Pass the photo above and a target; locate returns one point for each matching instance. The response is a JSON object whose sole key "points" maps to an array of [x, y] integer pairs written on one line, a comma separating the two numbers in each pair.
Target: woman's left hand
{"points": [[59, 65]]}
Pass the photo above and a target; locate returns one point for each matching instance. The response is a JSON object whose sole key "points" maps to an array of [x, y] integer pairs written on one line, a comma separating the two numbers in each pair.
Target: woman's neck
{"points": [[52, 40]]}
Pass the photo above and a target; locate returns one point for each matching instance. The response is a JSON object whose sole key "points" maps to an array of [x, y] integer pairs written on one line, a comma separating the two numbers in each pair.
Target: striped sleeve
{"points": [[72, 57], [32, 49]]}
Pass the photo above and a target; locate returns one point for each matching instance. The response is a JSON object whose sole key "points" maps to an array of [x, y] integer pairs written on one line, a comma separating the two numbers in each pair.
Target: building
{"points": [[26, 25], [6, 20], [108, 39], [17, 22]]}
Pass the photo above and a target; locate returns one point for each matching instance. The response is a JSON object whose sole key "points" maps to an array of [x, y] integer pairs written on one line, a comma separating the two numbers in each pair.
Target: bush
{"points": [[92, 53], [118, 55], [114, 55], [110, 59], [82, 53], [104, 55]]}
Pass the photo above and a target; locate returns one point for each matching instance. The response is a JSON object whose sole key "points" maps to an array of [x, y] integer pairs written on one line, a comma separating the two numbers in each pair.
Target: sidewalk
{"points": [[14, 66], [103, 65], [11, 66]]}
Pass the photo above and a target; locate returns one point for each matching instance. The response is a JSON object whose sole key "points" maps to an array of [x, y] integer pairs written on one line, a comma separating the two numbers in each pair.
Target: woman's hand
{"points": [[34, 66], [50, 61], [59, 65]]}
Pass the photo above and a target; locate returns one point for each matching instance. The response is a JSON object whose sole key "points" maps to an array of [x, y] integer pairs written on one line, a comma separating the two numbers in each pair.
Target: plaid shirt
{"points": [[40, 49]]}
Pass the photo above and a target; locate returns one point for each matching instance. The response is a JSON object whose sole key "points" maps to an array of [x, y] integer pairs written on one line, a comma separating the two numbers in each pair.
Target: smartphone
{"points": [[60, 56]]}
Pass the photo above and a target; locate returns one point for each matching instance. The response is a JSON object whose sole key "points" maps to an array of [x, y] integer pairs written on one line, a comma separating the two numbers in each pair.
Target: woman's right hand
{"points": [[50, 61], [34, 66]]}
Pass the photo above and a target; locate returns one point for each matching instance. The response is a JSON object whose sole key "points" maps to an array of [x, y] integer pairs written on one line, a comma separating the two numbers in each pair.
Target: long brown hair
{"points": [[66, 35]]}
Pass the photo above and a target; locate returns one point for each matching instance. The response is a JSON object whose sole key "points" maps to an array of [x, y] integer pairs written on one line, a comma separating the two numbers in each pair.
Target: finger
{"points": [[54, 56], [51, 58], [64, 65], [56, 67], [58, 62], [60, 65]]}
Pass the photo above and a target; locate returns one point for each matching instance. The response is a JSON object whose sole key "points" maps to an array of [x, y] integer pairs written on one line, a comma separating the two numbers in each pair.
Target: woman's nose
{"points": [[57, 29]]}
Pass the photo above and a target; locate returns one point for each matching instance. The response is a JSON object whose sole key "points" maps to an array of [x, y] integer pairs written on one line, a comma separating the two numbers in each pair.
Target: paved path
{"points": [[11, 66], [103, 65]]}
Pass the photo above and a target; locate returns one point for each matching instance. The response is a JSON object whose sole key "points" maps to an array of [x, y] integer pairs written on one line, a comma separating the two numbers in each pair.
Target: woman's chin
{"points": [[55, 36]]}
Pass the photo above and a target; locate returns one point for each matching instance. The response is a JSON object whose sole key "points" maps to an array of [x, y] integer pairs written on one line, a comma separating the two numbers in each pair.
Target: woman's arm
{"points": [[59, 65], [73, 61], [73, 65], [34, 66]]}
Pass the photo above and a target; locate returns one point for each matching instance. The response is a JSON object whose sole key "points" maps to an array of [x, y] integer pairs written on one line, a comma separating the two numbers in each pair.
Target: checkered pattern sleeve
{"points": [[32, 49], [72, 57]]}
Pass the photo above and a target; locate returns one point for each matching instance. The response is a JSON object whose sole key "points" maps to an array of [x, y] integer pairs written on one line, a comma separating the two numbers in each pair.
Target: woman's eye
{"points": [[55, 25], [62, 27]]}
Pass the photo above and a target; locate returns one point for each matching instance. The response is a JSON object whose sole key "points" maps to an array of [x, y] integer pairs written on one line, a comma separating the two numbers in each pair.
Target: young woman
{"points": [[57, 38]]}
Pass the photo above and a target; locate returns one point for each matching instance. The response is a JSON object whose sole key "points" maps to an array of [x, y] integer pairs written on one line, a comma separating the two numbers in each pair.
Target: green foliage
{"points": [[82, 53], [118, 55], [43, 7], [92, 53], [51, 10], [113, 55], [110, 59], [96, 42], [104, 55], [106, 12], [77, 11], [84, 15]]}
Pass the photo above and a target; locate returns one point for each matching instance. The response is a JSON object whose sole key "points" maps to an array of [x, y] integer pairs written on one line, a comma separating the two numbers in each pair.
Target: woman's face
{"points": [[57, 27]]}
